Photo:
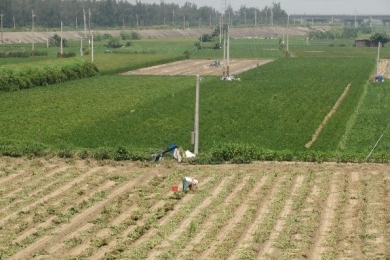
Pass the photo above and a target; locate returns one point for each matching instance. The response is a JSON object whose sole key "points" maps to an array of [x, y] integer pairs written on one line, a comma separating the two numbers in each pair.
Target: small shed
{"points": [[365, 43]]}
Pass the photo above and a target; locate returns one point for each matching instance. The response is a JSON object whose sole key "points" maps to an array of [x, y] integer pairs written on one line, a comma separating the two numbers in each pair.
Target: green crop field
{"points": [[71, 192], [275, 107]]}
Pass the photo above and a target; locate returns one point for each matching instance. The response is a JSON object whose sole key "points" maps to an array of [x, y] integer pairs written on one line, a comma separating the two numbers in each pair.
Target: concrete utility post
{"points": [[89, 23], [85, 25], [137, 21], [173, 17], [32, 23], [92, 47], [61, 47], [288, 25], [2, 39], [196, 124]]}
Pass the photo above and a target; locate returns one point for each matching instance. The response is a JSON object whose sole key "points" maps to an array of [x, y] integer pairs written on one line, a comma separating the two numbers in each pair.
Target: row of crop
{"points": [[166, 228], [22, 54], [224, 153], [212, 219], [54, 212], [14, 78], [131, 216]]}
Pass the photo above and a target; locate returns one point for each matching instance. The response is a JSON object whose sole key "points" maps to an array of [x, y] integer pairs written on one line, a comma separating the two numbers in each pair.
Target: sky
{"points": [[296, 6]]}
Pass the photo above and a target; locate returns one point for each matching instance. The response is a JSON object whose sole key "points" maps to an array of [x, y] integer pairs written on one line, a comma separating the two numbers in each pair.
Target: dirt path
{"points": [[384, 68], [327, 117]]}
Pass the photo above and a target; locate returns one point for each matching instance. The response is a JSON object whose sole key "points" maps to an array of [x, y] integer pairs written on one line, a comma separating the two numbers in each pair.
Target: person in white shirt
{"points": [[189, 182]]}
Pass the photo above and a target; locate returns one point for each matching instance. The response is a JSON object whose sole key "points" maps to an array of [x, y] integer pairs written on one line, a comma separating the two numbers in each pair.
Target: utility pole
{"points": [[184, 22], [85, 25], [137, 21], [220, 30], [32, 22], [2, 39], [196, 123], [244, 16], [92, 47], [61, 42], [89, 23], [173, 17], [355, 19], [255, 17], [272, 17], [288, 25], [76, 23], [14, 22]]}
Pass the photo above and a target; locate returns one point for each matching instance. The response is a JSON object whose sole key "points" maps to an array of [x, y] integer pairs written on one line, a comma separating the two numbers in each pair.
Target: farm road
{"points": [[198, 67], [85, 209]]}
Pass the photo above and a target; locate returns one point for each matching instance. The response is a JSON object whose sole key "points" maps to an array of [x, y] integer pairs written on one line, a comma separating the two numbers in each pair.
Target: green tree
{"points": [[380, 37]]}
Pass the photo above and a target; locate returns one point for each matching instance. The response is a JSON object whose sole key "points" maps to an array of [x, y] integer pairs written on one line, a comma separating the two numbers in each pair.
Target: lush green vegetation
{"points": [[14, 78], [270, 114]]}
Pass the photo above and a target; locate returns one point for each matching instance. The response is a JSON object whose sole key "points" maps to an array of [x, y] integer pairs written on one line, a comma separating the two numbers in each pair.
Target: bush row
{"points": [[14, 78], [227, 153], [21, 54]]}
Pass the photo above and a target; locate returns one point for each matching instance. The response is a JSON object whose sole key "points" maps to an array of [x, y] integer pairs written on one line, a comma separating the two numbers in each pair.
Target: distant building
{"points": [[365, 43]]}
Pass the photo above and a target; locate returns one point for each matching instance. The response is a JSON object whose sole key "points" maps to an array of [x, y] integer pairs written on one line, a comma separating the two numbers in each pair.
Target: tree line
{"points": [[120, 13]]}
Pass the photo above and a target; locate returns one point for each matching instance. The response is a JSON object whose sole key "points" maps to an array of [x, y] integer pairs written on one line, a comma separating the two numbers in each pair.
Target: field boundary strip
{"points": [[327, 117], [352, 120]]}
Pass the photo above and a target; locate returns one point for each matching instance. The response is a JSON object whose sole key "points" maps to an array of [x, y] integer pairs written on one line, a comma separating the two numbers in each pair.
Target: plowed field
{"points": [[198, 67], [73, 209]]}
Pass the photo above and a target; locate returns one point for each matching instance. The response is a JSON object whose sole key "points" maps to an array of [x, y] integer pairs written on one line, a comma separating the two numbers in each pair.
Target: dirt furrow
{"points": [[268, 248], [265, 200], [125, 218], [325, 222], [171, 221], [350, 246], [50, 196], [13, 187], [182, 229], [199, 236], [78, 221], [237, 224], [374, 234], [335, 234]]}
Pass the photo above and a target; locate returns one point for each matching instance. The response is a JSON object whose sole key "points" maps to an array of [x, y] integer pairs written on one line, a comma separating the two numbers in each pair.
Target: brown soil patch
{"points": [[232, 201], [198, 67]]}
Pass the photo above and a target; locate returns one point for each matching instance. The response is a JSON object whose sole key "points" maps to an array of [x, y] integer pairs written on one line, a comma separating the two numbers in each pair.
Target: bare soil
{"points": [[127, 210], [198, 67], [384, 68]]}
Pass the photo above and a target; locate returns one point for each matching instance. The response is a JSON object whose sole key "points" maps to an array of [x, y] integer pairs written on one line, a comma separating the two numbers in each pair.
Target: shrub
{"points": [[55, 41], [114, 42]]}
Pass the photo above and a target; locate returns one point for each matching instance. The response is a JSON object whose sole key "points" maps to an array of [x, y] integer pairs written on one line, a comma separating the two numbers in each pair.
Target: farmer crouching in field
{"points": [[189, 182]]}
